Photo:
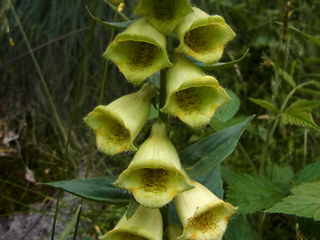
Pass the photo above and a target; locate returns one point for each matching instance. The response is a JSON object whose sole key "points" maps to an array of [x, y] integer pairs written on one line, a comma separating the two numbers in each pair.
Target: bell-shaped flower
{"points": [[117, 124], [192, 95], [203, 36], [139, 51], [164, 15], [155, 174], [202, 214], [145, 224]]}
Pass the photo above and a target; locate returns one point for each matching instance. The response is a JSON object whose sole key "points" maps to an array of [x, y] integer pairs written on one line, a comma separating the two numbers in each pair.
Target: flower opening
{"points": [[165, 14], [155, 174], [145, 224], [203, 36], [139, 51], [203, 215], [192, 96], [116, 125]]}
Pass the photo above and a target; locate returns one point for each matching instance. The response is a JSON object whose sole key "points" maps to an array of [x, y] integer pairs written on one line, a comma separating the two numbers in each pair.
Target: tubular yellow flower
{"points": [[203, 214], [155, 174], [139, 51], [165, 14], [203, 36], [192, 95], [145, 224], [117, 124]]}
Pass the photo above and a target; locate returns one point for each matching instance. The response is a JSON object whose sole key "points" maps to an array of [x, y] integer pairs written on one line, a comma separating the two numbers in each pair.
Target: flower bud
{"points": [[164, 15], [139, 51], [155, 174], [203, 36], [145, 224], [117, 124], [192, 95], [202, 214]]}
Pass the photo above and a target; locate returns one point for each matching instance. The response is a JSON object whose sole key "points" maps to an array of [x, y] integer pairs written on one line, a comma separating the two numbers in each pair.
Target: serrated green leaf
{"points": [[299, 113], [132, 207], [207, 153], [265, 104], [64, 235], [304, 202], [111, 25], [219, 65], [227, 111], [252, 193], [98, 189], [309, 174], [239, 229]]}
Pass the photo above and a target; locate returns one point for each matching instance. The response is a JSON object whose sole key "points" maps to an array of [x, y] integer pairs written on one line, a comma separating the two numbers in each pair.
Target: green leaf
{"points": [[265, 104], [299, 113], [280, 175], [227, 111], [304, 202], [64, 235], [132, 207], [310, 173], [219, 65], [286, 76], [252, 193], [239, 229], [310, 37], [98, 189], [212, 180], [112, 25], [209, 152]]}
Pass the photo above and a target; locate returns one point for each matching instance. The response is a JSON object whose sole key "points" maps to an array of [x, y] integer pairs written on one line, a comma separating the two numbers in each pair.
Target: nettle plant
{"points": [[158, 175]]}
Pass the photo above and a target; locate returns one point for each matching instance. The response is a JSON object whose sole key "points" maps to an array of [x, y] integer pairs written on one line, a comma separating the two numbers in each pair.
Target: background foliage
{"points": [[275, 165]]}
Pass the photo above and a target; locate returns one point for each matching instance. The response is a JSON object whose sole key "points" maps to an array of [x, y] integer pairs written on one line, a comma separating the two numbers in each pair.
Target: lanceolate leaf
{"points": [[219, 65], [299, 113], [98, 189], [310, 37], [286, 76], [112, 25], [204, 155], [304, 201], [265, 104], [64, 235], [252, 193]]}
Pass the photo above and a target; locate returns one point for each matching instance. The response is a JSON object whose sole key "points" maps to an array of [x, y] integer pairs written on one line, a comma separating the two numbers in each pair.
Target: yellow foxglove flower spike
{"points": [[145, 224], [203, 36], [202, 214], [139, 51], [164, 15], [192, 95], [117, 124], [155, 174]]}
